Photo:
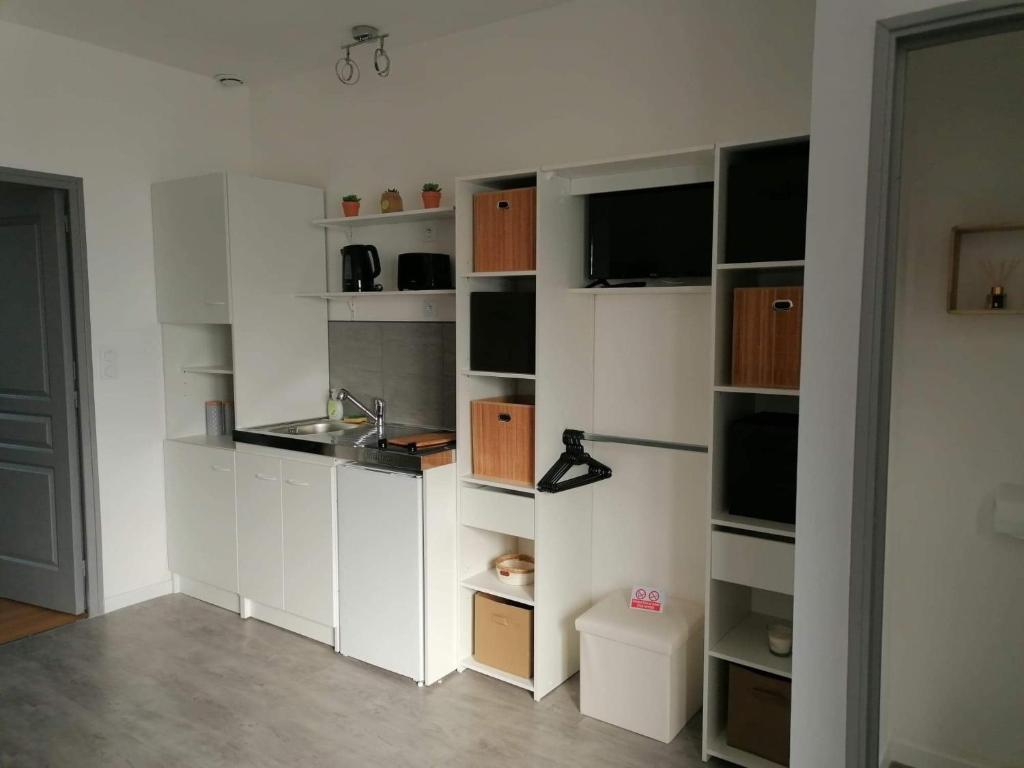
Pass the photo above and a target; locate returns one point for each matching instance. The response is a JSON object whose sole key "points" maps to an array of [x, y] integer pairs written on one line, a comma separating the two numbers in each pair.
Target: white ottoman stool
{"points": [[642, 671]]}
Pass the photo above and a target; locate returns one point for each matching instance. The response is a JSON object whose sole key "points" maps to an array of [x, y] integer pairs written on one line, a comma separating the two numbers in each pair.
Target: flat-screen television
{"points": [[651, 233]]}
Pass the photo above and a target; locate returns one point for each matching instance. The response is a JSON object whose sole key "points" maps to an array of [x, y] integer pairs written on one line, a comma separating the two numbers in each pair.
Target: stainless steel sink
{"points": [[315, 428]]}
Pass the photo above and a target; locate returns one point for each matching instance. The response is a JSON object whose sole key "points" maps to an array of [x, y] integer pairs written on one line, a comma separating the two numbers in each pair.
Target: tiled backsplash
{"points": [[410, 365]]}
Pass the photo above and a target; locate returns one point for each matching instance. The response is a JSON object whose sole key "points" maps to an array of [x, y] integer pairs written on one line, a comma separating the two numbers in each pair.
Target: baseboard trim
{"points": [[222, 598], [297, 624], [113, 603], [919, 757]]}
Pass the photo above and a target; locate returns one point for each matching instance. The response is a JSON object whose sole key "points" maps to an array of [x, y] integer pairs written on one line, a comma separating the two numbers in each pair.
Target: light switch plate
{"points": [[108, 363]]}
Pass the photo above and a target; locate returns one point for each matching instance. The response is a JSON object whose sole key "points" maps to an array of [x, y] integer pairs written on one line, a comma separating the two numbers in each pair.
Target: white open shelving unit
{"points": [[750, 582], [419, 230], [561, 590]]}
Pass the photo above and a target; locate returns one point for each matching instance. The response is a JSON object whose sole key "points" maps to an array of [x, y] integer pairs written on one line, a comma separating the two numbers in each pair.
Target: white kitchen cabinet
{"points": [[279, 340], [238, 250], [287, 561], [190, 244], [308, 497], [260, 534], [201, 513]]}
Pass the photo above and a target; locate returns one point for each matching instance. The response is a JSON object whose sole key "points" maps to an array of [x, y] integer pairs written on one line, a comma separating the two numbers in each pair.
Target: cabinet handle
{"points": [[216, 303], [503, 204], [298, 483], [782, 305], [261, 476], [219, 468]]}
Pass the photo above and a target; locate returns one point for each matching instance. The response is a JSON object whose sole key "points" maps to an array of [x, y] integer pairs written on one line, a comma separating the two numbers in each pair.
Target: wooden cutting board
{"points": [[424, 439]]}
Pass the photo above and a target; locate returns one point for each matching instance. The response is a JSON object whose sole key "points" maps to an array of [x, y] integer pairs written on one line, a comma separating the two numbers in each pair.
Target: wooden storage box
{"points": [[505, 230], [758, 714], [503, 634], [503, 438], [766, 327]]}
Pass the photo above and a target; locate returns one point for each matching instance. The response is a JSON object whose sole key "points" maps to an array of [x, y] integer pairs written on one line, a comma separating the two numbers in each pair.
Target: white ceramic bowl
{"points": [[514, 569]]}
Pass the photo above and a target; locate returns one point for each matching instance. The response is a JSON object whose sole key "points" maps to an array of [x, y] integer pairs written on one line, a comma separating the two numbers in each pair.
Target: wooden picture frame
{"points": [[958, 234]]}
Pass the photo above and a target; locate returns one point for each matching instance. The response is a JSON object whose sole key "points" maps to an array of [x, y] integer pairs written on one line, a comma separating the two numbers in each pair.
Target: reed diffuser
{"points": [[999, 273]]}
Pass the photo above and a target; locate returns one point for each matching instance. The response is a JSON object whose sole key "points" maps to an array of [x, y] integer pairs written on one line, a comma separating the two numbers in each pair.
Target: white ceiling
{"points": [[258, 39]]}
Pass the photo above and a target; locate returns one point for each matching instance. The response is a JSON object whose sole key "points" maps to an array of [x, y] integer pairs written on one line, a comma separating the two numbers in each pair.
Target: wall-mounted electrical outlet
{"points": [[429, 233], [428, 309]]}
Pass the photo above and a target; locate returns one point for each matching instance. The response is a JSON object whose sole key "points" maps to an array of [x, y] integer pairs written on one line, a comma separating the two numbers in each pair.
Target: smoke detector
{"points": [[229, 81]]}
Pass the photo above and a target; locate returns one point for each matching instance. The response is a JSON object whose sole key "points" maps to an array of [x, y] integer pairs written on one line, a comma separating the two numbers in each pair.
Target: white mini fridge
{"points": [[380, 568]]}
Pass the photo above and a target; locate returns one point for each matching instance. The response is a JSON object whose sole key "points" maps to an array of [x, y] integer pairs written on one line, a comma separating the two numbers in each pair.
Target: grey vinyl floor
{"points": [[177, 682]]}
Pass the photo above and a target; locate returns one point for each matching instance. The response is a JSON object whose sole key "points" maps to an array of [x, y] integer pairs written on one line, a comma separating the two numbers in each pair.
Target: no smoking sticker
{"points": [[646, 599]]}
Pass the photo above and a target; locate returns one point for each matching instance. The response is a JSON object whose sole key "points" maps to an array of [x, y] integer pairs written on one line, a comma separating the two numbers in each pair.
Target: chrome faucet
{"points": [[376, 416]]}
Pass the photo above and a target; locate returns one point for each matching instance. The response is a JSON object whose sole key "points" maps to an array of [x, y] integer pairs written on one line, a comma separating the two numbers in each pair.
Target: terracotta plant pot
{"points": [[390, 202], [431, 199], [349, 208]]}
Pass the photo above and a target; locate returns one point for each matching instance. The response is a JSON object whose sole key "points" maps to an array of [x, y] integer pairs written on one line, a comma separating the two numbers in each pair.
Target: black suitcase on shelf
{"points": [[502, 332], [761, 466]]}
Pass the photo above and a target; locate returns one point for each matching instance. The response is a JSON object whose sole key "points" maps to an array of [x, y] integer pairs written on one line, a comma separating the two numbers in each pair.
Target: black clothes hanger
{"points": [[573, 456]]}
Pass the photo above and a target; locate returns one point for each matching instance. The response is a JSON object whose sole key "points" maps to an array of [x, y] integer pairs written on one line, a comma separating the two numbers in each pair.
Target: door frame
{"points": [[894, 39], [82, 344]]}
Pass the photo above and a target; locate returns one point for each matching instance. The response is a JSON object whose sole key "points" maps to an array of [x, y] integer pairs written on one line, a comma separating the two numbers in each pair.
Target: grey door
{"points": [[41, 556]]}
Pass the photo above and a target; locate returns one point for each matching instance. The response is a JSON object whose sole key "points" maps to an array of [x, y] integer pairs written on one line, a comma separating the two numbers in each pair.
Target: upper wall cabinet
{"points": [[190, 242], [237, 249]]}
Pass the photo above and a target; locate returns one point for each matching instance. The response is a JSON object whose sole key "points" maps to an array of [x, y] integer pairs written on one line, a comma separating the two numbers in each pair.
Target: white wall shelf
{"points": [[756, 525], [223, 370], [501, 375], [718, 747], [488, 581], [747, 644], [663, 169], [522, 682], [349, 295], [512, 273], [648, 289], [794, 264], [373, 219], [758, 391], [476, 480]]}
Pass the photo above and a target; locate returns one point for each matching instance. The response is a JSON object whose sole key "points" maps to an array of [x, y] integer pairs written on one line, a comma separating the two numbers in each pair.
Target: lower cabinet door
{"points": [[260, 564], [200, 494], [308, 503]]}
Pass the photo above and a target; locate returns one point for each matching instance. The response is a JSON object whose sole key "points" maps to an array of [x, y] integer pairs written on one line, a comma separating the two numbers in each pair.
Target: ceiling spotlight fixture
{"points": [[229, 81], [347, 70]]}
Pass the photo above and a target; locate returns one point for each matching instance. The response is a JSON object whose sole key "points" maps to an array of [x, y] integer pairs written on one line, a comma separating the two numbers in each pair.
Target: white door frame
{"points": [[81, 340], [894, 39]]}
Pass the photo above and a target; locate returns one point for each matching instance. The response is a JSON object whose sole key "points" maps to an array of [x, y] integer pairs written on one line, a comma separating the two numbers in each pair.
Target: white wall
{"points": [[954, 620], [587, 79], [844, 39], [120, 123]]}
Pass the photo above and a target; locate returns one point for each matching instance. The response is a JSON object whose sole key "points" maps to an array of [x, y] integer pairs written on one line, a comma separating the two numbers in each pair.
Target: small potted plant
{"points": [[350, 205], [431, 195], [390, 201]]}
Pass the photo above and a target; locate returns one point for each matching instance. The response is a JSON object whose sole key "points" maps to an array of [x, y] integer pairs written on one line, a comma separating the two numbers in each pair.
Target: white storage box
{"points": [[642, 671]]}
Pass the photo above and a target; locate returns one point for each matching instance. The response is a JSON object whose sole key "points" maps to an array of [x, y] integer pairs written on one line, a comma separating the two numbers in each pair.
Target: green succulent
{"points": [[431, 186], [351, 199]]}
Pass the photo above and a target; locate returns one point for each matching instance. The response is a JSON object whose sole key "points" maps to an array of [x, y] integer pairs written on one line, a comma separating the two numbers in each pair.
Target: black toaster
{"points": [[424, 271]]}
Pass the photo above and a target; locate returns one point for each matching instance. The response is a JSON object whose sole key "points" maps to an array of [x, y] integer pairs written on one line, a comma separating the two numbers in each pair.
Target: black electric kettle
{"points": [[360, 264]]}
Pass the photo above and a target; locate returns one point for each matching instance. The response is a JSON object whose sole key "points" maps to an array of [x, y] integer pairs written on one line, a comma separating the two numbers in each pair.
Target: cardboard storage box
{"points": [[505, 230], [766, 332], [503, 634], [758, 720], [503, 438]]}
